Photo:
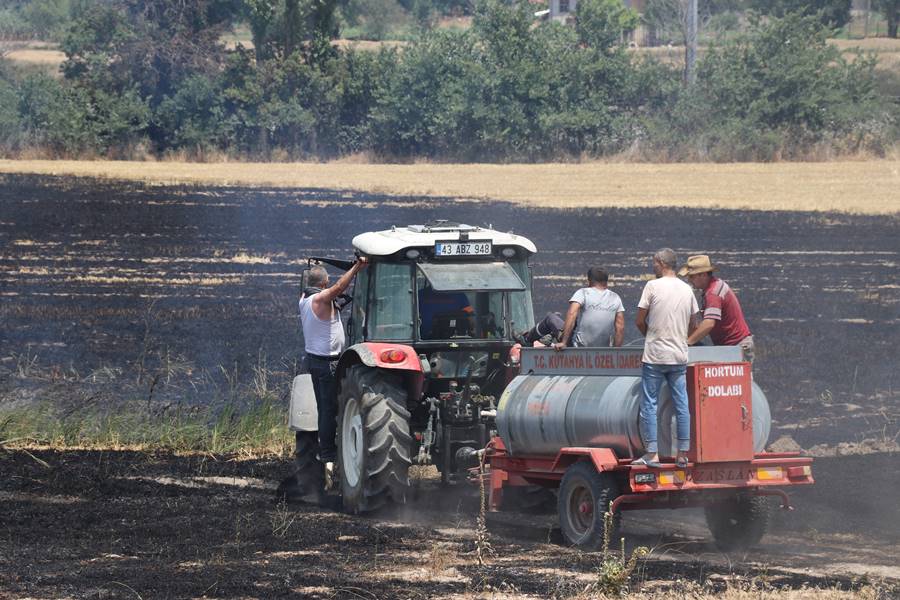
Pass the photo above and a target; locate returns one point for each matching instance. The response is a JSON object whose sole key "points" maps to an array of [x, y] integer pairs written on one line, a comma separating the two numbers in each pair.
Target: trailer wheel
{"points": [[309, 473], [373, 439], [584, 497], [738, 523]]}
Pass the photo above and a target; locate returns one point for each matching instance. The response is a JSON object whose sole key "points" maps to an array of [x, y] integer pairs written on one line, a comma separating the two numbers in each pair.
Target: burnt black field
{"points": [[109, 275]]}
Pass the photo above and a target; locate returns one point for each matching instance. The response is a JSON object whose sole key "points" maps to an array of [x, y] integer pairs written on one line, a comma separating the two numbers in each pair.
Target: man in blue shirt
{"points": [[434, 304]]}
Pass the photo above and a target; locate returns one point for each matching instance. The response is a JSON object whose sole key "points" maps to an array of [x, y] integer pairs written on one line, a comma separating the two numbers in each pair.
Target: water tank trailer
{"points": [[569, 420]]}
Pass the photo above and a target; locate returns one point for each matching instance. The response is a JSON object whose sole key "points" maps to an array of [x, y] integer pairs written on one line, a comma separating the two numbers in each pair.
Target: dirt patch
{"points": [[124, 524]]}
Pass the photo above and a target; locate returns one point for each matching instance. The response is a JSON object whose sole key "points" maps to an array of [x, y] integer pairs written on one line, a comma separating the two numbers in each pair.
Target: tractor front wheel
{"points": [[374, 442], [739, 522]]}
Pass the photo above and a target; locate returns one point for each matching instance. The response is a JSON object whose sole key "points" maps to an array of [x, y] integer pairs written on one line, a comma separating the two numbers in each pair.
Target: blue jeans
{"points": [[652, 377], [325, 387]]}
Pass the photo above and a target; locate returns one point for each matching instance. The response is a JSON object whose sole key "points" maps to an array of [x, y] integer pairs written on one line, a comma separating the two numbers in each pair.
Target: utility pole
{"points": [[690, 51], [868, 10]]}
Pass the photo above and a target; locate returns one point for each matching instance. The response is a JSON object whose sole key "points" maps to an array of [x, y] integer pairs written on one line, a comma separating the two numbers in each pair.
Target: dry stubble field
{"points": [[195, 285], [861, 187]]}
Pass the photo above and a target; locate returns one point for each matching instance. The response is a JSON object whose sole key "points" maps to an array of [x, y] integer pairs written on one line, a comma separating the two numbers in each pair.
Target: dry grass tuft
{"points": [[867, 187], [246, 259]]}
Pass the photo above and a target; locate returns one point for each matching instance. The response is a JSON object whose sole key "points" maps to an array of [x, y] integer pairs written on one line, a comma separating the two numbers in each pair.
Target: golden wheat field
{"points": [[863, 187]]}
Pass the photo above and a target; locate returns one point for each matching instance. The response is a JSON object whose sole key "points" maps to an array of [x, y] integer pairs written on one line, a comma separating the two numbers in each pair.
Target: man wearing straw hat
{"points": [[723, 319]]}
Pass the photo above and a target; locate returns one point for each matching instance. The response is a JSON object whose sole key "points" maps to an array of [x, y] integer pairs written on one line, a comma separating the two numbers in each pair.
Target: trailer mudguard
{"points": [[603, 459], [304, 416]]}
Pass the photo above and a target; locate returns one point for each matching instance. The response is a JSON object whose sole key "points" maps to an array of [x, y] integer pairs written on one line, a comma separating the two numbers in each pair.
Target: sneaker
{"points": [[330, 476]]}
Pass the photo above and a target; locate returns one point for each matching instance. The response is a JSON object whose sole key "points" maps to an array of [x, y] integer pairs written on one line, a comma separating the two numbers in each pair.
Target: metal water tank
{"points": [[539, 414]]}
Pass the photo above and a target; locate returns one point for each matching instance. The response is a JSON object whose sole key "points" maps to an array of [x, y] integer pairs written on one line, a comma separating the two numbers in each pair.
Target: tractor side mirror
{"points": [[304, 277]]}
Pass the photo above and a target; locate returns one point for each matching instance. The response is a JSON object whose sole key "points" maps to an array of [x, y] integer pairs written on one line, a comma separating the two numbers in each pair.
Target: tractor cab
{"points": [[457, 294]]}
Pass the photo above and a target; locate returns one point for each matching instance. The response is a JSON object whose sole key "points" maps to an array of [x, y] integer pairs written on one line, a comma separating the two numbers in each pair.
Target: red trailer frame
{"points": [[723, 474], [669, 486]]}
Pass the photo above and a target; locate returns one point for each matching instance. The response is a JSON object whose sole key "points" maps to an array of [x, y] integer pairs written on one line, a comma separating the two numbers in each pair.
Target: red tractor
{"points": [[432, 322]]}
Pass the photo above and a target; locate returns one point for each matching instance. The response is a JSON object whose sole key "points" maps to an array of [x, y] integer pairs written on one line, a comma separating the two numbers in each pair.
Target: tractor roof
{"points": [[395, 239]]}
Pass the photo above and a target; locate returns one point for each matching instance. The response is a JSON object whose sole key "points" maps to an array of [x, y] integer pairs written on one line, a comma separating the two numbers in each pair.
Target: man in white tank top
{"points": [[324, 340]]}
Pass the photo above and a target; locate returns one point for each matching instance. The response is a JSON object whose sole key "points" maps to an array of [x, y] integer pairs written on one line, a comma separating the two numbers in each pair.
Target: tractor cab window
{"points": [[521, 311], [463, 300], [390, 305], [358, 308]]}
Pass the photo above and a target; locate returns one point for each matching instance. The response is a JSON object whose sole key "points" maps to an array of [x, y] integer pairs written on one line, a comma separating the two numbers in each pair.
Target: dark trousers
{"points": [[325, 387], [551, 325]]}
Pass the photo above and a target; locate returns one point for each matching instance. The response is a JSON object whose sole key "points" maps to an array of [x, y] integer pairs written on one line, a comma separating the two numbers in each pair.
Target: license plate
{"points": [[732, 475], [462, 248]]}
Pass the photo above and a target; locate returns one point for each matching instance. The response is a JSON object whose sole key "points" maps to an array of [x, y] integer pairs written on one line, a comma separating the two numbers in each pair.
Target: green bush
{"points": [[506, 91], [153, 73], [775, 92], [830, 13], [10, 121]]}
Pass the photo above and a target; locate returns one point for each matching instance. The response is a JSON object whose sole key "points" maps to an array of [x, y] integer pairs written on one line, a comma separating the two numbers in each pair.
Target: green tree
{"points": [[668, 18], [10, 121], [261, 16], [891, 11], [46, 17], [193, 118], [832, 13], [775, 92], [603, 24]]}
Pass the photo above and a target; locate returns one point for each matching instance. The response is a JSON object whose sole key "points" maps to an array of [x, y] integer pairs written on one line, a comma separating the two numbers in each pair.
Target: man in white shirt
{"points": [[666, 318], [324, 340], [596, 315]]}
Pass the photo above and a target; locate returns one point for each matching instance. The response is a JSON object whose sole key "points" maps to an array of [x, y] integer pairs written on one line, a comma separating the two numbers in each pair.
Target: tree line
{"points": [[152, 77]]}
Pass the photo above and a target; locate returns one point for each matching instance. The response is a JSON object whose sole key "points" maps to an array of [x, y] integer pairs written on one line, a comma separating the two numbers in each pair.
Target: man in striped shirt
{"points": [[723, 319]]}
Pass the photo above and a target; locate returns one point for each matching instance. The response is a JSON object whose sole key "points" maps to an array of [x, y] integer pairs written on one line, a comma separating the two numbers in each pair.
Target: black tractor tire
{"points": [[308, 479], [374, 441], [738, 523], [584, 496]]}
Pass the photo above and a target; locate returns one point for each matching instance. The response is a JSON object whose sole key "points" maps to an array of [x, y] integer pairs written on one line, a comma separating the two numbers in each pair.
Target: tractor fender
{"points": [[304, 415], [370, 354]]}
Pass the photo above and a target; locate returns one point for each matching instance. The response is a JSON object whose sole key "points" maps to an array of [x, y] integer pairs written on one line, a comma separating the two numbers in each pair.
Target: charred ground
{"points": [[99, 274], [116, 292], [154, 525]]}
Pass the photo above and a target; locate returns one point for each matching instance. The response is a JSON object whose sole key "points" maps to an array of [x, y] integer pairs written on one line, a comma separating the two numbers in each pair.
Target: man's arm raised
{"points": [[321, 302]]}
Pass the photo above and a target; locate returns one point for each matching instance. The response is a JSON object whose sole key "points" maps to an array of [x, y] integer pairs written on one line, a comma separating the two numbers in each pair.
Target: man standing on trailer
{"points": [[324, 339], [596, 315], [666, 318], [723, 319]]}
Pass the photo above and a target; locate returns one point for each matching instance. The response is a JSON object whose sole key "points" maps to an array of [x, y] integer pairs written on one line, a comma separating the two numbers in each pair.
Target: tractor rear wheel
{"points": [[584, 498], [739, 522], [374, 442]]}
